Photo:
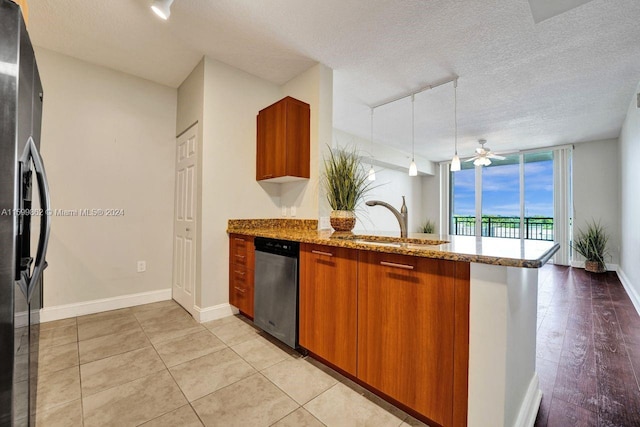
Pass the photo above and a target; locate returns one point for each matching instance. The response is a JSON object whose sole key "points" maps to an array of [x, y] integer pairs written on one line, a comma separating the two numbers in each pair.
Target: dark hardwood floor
{"points": [[588, 350]]}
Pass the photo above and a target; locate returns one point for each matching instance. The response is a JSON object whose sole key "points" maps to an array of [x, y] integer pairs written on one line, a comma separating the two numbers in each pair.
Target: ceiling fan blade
{"points": [[496, 156], [472, 159]]}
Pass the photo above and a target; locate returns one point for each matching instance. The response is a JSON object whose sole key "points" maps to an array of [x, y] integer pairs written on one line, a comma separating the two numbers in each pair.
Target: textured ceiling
{"points": [[568, 78]]}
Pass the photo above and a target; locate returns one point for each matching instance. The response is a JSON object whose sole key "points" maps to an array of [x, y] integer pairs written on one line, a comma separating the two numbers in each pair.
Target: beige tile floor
{"points": [[153, 365]]}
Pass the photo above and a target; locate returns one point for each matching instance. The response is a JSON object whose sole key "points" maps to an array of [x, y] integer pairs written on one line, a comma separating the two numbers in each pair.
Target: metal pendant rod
{"points": [[423, 89]]}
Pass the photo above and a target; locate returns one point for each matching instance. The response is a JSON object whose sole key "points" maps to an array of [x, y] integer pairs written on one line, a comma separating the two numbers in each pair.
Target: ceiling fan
{"points": [[484, 155]]}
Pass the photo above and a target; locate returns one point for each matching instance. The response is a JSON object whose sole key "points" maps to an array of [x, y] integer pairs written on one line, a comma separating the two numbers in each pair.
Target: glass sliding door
{"points": [[538, 196], [463, 201], [513, 198], [501, 198]]}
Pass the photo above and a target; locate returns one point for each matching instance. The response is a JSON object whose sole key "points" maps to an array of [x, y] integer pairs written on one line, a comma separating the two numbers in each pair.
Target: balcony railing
{"points": [[535, 228]]}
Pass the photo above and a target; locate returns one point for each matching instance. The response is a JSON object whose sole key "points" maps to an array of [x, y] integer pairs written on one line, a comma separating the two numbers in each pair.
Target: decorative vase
{"points": [[594, 267], [342, 220]]}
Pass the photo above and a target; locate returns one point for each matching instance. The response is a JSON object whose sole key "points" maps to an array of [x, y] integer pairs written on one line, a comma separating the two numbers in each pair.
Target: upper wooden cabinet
{"points": [[283, 141]]}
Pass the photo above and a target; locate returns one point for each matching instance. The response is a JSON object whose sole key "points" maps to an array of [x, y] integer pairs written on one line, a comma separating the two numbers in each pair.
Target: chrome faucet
{"points": [[402, 216]]}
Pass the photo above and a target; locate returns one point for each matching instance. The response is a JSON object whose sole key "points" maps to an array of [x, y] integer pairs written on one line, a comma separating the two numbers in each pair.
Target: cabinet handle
{"points": [[238, 289], [240, 256], [239, 272], [321, 253], [393, 264], [238, 239]]}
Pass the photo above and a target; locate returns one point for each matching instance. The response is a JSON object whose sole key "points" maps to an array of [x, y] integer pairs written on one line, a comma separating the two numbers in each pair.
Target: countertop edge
{"points": [[435, 252]]}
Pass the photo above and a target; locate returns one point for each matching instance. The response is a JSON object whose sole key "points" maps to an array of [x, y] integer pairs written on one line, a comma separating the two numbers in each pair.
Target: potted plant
{"points": [[592, 245], [345, 183], [428, 227]]}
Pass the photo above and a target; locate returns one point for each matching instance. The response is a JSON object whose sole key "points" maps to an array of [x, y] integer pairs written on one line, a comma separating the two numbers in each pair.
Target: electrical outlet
{"points": [[284, 211], [325, 224], [142, 266], [293, 211]]}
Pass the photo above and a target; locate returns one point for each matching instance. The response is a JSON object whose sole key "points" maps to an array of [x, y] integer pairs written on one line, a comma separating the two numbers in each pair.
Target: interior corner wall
{"points": [[191, 99], [431, 199], [107, 143], [629, 265], [191, 111], [390, 185], [595, 190], [232, 99], [315, 87]]}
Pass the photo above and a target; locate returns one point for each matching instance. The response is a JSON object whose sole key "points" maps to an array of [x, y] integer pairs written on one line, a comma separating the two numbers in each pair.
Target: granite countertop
{"points": [[485, 250]]}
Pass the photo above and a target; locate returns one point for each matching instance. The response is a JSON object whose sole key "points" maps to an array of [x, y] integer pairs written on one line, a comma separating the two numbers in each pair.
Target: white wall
{"points": [[107, 142], [431, 199], [391, 185], [232, 99], [392, 182], [629, 265], [595, 190], [315, 87], [190, 111]]}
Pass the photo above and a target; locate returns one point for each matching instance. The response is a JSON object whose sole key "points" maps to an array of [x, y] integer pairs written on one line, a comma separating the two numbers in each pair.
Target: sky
{"points": [[501, 190]]}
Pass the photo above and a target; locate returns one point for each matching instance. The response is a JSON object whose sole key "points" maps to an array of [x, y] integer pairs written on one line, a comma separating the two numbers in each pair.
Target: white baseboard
{"points": [[631, 291], [66, 311], [219, 311], [580, 264], [530, 405]]}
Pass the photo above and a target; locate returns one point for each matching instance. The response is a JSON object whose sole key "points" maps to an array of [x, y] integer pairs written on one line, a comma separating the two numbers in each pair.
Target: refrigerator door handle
{"points": [[30, 283]]}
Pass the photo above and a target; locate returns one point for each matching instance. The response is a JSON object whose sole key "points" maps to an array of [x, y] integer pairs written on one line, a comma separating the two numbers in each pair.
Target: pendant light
{"points": [[372, 173], [455, 162], [413, 169], [162, 8]]}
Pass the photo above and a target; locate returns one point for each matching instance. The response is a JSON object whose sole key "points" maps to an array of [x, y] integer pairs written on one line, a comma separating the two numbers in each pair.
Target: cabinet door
{"points": [[298, 138], [406, 330], [271, 142], [328, 297]]}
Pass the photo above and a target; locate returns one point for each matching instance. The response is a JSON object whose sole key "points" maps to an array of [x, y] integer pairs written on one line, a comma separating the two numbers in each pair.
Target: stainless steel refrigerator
{"points": [[24, 210]]}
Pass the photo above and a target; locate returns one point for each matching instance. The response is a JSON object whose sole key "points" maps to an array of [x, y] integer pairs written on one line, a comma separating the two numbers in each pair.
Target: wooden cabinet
{"points": [[413, 332], [328, 298], [241, 273], [283, 137]]}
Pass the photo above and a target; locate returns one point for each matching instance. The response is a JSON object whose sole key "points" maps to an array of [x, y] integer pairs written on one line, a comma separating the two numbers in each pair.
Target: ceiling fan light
{"points": [[162, 8], [413, 169], [455, 164], [372, 174], [482, 161]]}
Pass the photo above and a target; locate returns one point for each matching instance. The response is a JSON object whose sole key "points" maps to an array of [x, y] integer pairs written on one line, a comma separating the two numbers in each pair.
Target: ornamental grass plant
{"points": [[591, 243], [344, 180]]}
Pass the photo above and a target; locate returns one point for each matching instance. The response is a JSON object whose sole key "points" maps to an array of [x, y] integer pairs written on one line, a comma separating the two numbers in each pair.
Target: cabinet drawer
{"points": [[241, 276], [243, 298], [241, 250]]}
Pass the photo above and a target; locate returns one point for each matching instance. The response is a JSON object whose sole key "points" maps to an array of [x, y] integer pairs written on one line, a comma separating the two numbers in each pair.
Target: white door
{"points": [[185, 220]]}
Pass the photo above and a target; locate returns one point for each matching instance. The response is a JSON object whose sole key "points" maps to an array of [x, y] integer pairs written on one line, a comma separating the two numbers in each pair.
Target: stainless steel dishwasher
{"points": [[276, 289]]}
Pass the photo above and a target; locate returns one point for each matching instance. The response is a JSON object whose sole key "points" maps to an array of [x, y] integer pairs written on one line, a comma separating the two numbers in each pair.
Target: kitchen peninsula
{"points": [[444, 326]]}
